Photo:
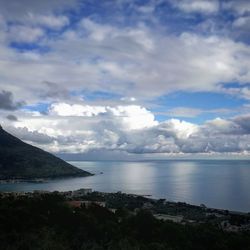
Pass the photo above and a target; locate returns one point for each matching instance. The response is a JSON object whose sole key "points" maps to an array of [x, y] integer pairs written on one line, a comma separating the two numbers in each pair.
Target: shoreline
{"points": [[39, 180], [148, 197], [146, 222], [13, 181]]}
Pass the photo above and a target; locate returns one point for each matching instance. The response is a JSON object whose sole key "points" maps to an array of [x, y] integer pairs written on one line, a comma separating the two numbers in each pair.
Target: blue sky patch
{"points": [[24, 47], [40, 107], [200, 100]]}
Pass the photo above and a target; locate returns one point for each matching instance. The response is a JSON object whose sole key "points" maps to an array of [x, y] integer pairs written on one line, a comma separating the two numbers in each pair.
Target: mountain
{"points": [[19, 160]]}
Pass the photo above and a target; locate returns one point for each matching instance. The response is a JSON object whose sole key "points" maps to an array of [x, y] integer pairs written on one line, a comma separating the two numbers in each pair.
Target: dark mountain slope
{"points": [[19, 160]]}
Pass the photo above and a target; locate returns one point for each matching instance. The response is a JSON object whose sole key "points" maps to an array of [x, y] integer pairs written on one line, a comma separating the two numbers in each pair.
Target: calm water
{"points": [[216, 183]]}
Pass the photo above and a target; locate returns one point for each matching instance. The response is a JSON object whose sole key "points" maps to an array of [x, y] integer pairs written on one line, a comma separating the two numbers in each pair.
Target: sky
{"points": [[126, 78]]}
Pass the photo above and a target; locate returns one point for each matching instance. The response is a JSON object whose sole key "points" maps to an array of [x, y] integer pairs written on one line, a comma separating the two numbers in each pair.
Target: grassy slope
{"points": [[21, 160]]}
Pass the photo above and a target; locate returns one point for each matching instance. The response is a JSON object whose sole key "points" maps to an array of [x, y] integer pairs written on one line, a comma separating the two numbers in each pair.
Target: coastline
{"points": [[13, 181], [40, 180], [84, 215], [81, 193]]}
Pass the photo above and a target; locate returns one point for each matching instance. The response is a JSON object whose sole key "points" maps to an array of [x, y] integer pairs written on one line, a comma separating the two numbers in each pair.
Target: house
{"points": [[147, 205], [176, 219], [81, 192], [86, 204]]}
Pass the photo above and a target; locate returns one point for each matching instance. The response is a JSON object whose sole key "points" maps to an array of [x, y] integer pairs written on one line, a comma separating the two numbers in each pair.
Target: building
{"points": [[176, 219], [86, 204], [81, 192]]}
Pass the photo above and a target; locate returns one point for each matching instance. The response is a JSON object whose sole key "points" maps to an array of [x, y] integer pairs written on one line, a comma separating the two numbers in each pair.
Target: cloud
{"points": [[48, 21], [240, 28], [19, 10], [30, 136], [127, 62], [244, 122], [130, 116], [138, 60], [178, 129], [184, 112], [242, 22], [220, 126], [194, 112], [12, 118], [239, 6], [64, 109], [7, 102], [202, 6], [61, 53], [53, 91], [129, 130], [21, 33]]}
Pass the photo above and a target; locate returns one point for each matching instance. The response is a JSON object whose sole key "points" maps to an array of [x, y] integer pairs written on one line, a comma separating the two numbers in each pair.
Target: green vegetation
{"points": [[19, 160], [189, 213], [45, 221]]}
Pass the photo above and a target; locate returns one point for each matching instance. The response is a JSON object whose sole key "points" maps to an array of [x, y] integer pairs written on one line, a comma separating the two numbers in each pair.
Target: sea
{"points": [[221, 184]]}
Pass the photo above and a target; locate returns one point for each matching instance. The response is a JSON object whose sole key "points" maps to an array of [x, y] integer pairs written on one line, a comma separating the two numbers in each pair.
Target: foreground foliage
{"points": [[47, 222]]}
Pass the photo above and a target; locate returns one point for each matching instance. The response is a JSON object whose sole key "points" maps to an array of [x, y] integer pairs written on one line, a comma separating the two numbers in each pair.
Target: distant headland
{"points": [[21, 161]]}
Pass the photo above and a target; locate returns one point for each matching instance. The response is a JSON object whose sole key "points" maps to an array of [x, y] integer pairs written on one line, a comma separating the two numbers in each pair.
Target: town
{"points": [[161, 209]]}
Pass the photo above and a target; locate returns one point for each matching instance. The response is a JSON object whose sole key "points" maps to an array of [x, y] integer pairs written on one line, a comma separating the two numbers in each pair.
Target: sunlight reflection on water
{"points": [[216, 183]]}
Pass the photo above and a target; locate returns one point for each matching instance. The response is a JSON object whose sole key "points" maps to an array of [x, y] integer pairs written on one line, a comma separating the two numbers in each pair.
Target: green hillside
{"points": [[19, 160]]}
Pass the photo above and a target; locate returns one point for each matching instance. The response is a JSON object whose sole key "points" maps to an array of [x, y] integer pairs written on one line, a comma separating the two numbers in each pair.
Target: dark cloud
{"points": [[110, 140], [12, 118], [16, 9], [54, 91], [244, 123], [30, 136], [7, 102]]}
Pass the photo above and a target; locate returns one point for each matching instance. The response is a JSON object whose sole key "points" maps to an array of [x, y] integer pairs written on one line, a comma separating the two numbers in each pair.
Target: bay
{"points": [[216, 183]]}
